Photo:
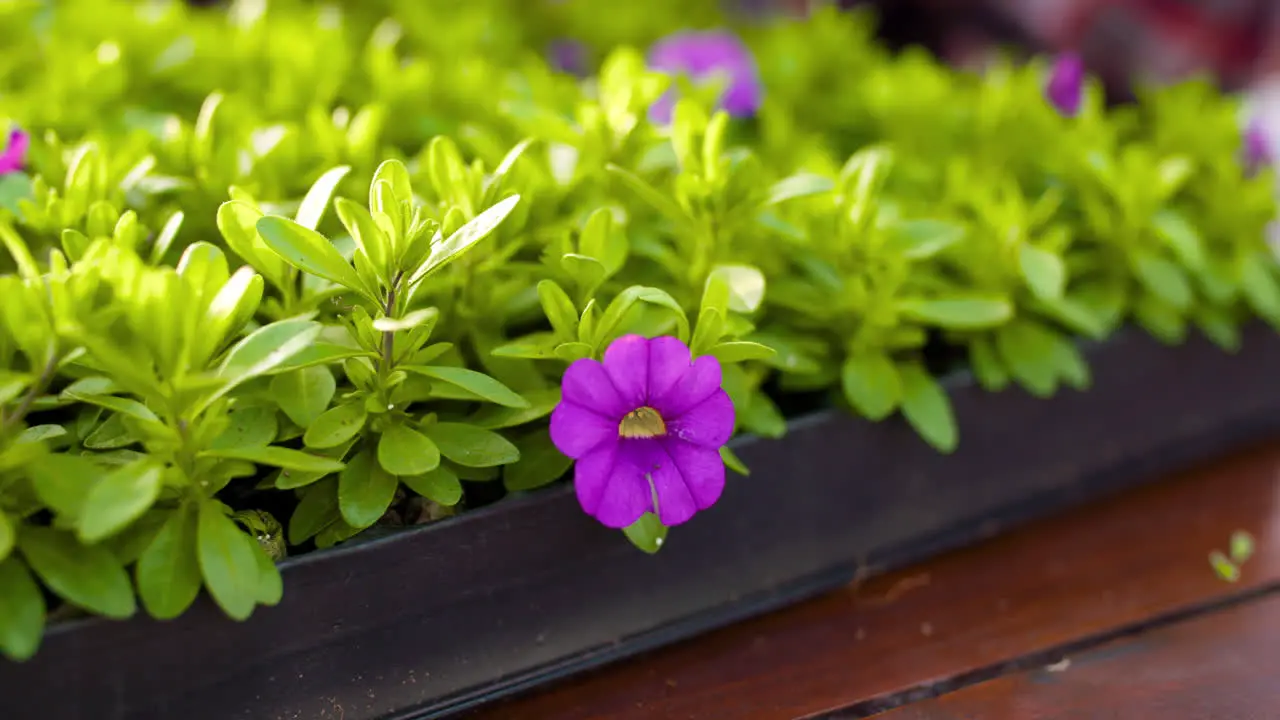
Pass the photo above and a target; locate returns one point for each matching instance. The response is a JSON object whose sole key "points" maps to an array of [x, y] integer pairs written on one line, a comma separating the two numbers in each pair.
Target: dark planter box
{"points": [[438, 619]]}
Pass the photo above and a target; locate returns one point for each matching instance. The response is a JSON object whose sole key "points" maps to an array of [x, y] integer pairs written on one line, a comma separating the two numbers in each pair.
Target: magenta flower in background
{"points": [[702, 56], [15, 151], [568, 56], [1257, 148], [645, 425], [1065, 88]]}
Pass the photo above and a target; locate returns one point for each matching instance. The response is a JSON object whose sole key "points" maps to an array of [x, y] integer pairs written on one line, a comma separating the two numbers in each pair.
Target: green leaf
{"points": [[648, 533], [871, 384], [317, 198], [405, 451], [1258, 282], [304, 394], [249, 426], [558, 308], [987, 366], [369, 238], [540, 463], [308, 251], [8, 536], [408, 321], [927, 408], [336, 425], [541, 403], [63, 481], [132, 408], [365, 491], [471, 446], [587, 272], [22, 611], [168, 571], [741, 351], [923, 239], [1044, 272], [317, 510], [958, 313], [118, 499], [264, 350], [227, 561], [439, 486], [474, 382], [1164, 279], [1225, 569], [745, 285], [465, 238], [1172, 227], [655, 198], [279, 457], [798, 186], [88, 576], [1029, 353], [270, 583], [733, 462]]}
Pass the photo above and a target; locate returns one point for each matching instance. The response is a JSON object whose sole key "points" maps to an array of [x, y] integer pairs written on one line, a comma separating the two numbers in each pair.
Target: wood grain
{"points": [[1091, 571], [1217, 666]]}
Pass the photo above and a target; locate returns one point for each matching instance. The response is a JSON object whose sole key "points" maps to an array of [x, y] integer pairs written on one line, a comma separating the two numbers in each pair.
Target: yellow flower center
{"points": [[643, 422]]}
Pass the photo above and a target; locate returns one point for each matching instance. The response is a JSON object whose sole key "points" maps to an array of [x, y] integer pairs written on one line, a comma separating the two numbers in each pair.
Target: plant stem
{"points": [[7, 421], [389, 336]]}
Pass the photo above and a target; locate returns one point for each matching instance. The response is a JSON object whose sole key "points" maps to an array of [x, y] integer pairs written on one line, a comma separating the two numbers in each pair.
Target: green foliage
{"points": [[331, 261]]}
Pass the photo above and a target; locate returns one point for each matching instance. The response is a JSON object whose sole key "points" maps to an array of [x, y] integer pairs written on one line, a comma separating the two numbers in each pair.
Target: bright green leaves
{"points": [[228, 561], [647, 534], [926, 407], [168, 573], [405, 451], [471, 446], [477, 384], [336, 425], [872, 385], [365, 490], [304, 394], [452, 247], [22, 611], [88, 576], [118, 499], [958, 313], [308, 251]]}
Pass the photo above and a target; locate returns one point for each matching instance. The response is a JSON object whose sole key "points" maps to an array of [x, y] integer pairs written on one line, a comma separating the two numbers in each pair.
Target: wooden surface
{"points": [[968, 635]]}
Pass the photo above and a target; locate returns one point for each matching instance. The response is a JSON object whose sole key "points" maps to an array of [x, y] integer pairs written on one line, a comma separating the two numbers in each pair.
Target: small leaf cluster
{"points": [[279, 276]]}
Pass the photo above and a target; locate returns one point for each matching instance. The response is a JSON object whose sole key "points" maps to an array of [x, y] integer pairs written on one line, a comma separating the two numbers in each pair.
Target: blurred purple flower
{"points": [[1257, 147], [14, 156], [703, 56], [645, 425], [568, 56], [1065, 88]]}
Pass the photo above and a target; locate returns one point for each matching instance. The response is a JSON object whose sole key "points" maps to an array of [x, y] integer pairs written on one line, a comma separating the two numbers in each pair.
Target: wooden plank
{"points": [[1219, 665], [1084, 573]]}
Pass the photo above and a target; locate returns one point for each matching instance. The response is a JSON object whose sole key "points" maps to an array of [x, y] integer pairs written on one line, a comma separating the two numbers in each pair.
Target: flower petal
{"points": [[627, 363], [709, 423], [587, 384], [669, 360], [701, 468], [697, 383], [575, 430], [610, 487], [675, 503]]}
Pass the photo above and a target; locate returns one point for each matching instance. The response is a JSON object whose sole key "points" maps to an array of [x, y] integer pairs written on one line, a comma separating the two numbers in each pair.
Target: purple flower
{"points": [[15, 152], [1066, 83], [1257, 148], [568, 56], [704, 56], [644, 426]]}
